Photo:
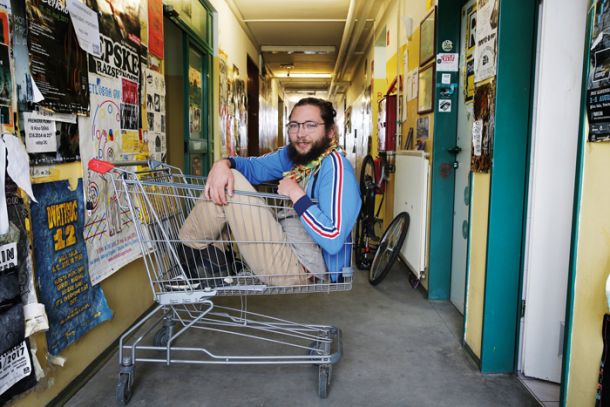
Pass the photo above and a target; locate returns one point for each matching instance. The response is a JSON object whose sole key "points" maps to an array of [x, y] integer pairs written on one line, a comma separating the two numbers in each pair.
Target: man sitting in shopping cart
{"points": [[318, 179]]}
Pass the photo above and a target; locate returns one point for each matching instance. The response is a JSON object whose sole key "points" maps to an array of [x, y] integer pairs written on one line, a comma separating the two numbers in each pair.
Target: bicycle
{"points": [[372, 183]]}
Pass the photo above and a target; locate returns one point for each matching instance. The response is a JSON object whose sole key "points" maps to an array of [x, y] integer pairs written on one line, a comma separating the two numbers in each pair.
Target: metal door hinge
{"points": [[522, 308]]}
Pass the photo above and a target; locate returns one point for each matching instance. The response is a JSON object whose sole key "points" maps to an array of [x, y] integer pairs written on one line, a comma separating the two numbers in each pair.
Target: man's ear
{"points": [[332, 133]]}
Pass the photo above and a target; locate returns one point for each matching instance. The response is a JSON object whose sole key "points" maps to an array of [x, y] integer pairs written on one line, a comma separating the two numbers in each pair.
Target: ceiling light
{"points": [[304, 75], [304, 49]]}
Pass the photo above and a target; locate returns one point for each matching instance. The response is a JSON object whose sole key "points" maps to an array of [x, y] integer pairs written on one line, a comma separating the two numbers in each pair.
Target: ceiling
{"points": [[309, 44]]}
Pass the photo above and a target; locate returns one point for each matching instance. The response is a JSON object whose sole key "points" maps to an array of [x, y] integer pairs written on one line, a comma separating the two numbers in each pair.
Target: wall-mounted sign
{"points": [[446, 62], [444, 105]]}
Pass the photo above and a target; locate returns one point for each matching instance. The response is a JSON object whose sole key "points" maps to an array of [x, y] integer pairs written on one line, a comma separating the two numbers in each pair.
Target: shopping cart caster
{"points": [[125, 384], [162, 336], [316, 348], [324, 374]]}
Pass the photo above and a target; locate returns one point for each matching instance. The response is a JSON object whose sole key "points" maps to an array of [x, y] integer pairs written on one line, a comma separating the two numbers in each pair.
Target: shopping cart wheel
{"points": [[389, 248], [316, 349], [162, 336], [324, 373], [123, 389]]}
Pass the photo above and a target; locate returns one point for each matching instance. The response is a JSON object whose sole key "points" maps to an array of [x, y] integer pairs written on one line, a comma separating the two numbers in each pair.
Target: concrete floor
{"points": [[399, 350]]}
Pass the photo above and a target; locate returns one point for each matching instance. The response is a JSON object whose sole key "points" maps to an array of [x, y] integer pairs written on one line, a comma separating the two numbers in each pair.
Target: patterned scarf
{"points": [[300, 172]]}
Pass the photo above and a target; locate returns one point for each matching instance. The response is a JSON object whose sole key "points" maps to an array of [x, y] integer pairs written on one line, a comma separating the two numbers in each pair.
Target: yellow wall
{"points": [[475, 296], [233, 41], [592, 269], [128, 295]]}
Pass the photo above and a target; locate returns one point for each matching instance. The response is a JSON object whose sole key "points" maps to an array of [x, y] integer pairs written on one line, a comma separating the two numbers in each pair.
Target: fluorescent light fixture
{"points": [[305, 49], [304, 75]]}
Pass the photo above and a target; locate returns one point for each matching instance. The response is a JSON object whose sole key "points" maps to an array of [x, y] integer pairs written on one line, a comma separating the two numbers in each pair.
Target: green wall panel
{"points": [[515, 67], [443, 177]]}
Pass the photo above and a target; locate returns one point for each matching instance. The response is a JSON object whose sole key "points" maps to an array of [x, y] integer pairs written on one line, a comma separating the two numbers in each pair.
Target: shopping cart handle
{"points": [[100, 166]]}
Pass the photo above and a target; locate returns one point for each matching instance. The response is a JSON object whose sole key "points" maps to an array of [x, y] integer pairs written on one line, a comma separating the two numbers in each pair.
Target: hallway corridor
{"points": [[399, 350]]}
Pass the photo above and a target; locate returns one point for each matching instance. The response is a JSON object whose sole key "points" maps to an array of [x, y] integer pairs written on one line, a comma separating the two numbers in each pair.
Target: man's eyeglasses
{"points": [[308, 126]]}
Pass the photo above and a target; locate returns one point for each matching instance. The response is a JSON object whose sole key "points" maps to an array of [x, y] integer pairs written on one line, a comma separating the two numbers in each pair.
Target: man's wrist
{"points": [[296, 195], [229, 162]]}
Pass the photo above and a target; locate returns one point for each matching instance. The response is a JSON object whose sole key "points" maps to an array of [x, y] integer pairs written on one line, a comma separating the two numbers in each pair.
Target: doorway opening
{"points": [[253, 106], [462, 151], [548, 238], [188, 76]]}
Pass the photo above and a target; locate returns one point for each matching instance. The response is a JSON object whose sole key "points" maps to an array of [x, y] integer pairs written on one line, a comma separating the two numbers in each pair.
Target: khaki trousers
{"points": [[259, 236]]}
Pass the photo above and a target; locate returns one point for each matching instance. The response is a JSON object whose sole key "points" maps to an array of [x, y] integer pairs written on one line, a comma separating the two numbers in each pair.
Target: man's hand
{"points": [[219, 178], [289, 187]]}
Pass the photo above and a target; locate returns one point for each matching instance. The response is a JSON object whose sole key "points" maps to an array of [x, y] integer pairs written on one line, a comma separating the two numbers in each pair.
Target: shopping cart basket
{"points": [[187, 276]]}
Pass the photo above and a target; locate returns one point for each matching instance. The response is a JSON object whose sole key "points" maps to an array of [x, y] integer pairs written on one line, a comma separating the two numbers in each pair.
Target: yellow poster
{"points": [[132, 143]]}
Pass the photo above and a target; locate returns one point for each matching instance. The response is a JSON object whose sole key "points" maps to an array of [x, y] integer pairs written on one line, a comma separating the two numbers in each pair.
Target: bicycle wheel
{"points": [[389, 247], [358, 239], [367, 174]]}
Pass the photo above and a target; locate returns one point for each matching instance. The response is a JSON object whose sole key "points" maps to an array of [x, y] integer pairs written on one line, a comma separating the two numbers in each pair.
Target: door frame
{"points": [[448, 27], [578, 186], [460, 93], [206, 48], [508, 177]]}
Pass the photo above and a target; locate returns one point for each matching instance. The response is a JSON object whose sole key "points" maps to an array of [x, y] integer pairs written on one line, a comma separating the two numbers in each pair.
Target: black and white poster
{"points": [[598, 87], [155, 114], [58, 64], [486, 40], [119, 25]]}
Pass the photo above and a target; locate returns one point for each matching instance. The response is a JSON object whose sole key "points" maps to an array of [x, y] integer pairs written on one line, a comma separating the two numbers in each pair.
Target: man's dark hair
{"points": [[327, 111]]}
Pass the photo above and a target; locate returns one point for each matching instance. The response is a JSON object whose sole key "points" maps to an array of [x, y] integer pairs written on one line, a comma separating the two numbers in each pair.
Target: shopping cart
{"points": [[187, 276]]}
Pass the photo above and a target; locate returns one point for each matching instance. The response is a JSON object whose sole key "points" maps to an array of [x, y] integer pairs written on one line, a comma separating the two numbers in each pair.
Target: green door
{"points": [[196, 129]]}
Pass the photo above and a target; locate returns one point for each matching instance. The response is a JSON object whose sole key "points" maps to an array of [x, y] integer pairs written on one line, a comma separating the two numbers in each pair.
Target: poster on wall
{"points": [[267, 118], [155, 114], [486, 40], [412, 83], [109, 234], [598, 85], [21, 56], [227, 145], [58, 64], [35, 319], [483, 127], [130, 105], [469, 80], [6, 79], [155, 28], [471, 31], [423, 126], [17, 373], [74, 306], [195, 99], [50, 138], [238, 111], [119, 23]]}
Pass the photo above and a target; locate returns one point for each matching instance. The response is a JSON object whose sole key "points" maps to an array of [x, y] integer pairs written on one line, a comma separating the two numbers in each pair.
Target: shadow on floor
{"points": [[399, 350]]}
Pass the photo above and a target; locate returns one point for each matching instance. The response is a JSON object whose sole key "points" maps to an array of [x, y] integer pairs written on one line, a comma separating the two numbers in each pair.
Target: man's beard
{"points": [[316, 150]]}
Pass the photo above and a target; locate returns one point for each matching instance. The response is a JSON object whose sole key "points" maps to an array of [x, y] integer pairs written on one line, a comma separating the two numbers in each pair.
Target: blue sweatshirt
{"points": [[329, 221]]}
